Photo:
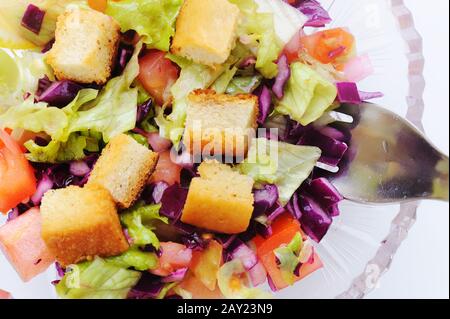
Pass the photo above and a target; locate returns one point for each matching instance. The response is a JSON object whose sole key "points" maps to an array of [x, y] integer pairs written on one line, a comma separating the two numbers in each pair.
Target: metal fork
{"points": [[389, 160]]}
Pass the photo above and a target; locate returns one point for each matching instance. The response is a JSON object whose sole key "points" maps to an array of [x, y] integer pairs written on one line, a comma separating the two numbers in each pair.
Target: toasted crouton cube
{"points": [[220, 199], [123, 169], [85, 47], [220, 124], [206, 31], [80, 223]]}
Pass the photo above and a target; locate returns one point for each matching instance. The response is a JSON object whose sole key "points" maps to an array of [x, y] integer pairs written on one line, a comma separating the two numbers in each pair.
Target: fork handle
{"points": [[440, 182]]}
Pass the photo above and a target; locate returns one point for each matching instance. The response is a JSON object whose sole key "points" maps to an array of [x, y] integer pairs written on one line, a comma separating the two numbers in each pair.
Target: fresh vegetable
{"points": [[328, 46], [19, 76], [5, 295], [98, 279], [99, 5], [265, 103], [111, 112], [134, 15], [317, 15], [358, 68], [265, 198], [166, 170], [257, 32], [205, 264], [315, 220], [174, 257], [348, 92], [233, 286], [21, 242], [157, 75], [282, 164], [17, 175], [136, 258], [139, 220], [284, 73], [60, 93], [32, 18], [307, 95], [284, 229], [197, 289]]}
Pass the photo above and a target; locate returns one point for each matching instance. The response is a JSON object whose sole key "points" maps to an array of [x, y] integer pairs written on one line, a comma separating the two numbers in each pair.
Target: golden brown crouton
{"points": [[123, 169], [206, 31], [85, 47], [220, 123], [80, 223], [220, 199]]}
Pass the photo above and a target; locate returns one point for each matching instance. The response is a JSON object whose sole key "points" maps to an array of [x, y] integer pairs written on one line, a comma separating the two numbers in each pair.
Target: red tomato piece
{"points": [[174, 256], [157, 74], [17, 178], [99, 5], [5, 295], [284, 229], [292, 49], [166, 170], [329, 46], [22, 244], [158, 143]]}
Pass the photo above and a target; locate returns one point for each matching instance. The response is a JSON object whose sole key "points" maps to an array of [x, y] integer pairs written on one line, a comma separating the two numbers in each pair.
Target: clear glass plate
{"points": [[363, 240]]}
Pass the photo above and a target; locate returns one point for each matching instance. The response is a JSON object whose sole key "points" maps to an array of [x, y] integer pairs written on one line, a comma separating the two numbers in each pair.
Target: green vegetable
{"points": [[108, 113], [307, 95], [244, 84], [97, 279], [232, 287], [288, 256], [139, 138], [139, 221], [19, 75], [257, 31], [282, 164], [135, 258], [152, 19]]}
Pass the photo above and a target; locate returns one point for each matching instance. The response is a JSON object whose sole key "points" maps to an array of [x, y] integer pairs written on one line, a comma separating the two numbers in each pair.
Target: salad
{"points": [[173, 148]]}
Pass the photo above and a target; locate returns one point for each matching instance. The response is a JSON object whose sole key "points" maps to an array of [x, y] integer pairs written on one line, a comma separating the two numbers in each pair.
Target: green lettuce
{"points": [[136, 258], [139, 222], [107, 113], [244, 84], [288, 256], [282, 164], [259, 33], [152, 19], [19, 75], [307, 95], [97, 279]]}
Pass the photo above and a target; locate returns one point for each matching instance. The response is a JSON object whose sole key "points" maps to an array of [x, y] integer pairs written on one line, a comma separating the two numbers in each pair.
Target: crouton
{"points": [[220, 124], [80, 223], [206, 31], [220, 200], [123, 169], [85, 47]]}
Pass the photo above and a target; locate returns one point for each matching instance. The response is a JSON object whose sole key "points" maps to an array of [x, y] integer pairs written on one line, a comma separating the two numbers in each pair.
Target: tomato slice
{"points": [[157, 74], [166, 170], [174, 256], [284, 229], [293, 47], [17, 178], [329, 46]]}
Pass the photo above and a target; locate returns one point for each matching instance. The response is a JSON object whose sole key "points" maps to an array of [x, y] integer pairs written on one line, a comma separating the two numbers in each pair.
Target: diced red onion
{"points": [[275, 213], [245, 255], [284, 73], [248, 61], [176, 276], [365, 96], [158, 143], [258, 274], [44, 185], [143, 110], [264, 198], [158, 191], [358, 68], [348, 92], [271, 284], [79, 168], [33, 18]]}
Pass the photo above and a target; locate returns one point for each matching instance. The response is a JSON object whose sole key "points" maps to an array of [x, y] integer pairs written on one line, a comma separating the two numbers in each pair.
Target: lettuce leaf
{"points": [[139, 220], [282, 164], [110, 112], [152, 19], [97, 279], [259, 33], [19, 75], [136, 258], [307, 95]]}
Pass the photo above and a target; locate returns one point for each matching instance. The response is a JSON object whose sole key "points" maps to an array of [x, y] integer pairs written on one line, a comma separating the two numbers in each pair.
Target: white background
{"points": [[421, 267]]}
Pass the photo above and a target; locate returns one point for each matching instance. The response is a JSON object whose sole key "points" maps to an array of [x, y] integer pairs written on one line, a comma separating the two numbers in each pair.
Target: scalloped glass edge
{"points": [[406, 217]]}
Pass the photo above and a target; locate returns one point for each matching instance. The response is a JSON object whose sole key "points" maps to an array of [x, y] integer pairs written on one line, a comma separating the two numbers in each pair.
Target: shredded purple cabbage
{"points": [[176, 276], [33, 18], [314, 220], [265, 103], [60, 93], [172, 201], [264, 199], [284, 73], [143, 110], [317, 15], [148, 287]]}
